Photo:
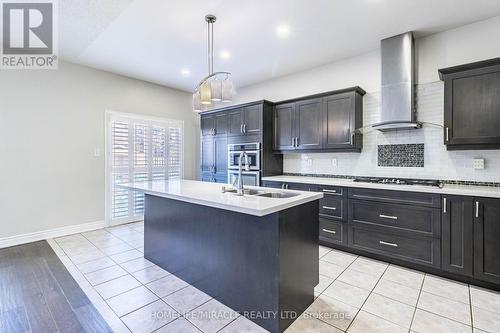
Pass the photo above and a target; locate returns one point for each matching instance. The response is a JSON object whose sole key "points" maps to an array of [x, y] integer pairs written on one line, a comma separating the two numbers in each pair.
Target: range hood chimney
{"points": [[398, 83]]}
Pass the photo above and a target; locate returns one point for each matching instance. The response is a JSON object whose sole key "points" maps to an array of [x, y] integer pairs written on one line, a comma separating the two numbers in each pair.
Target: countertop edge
{"points": [[465, 190], [279, 207]]}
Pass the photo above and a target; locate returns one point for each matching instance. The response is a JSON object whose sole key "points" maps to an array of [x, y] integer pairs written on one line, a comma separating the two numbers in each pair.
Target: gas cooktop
{"points": [[399, 181]]}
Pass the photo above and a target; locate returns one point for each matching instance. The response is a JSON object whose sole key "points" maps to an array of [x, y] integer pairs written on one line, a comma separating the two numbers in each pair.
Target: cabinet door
{"points": [[308, 118], [487, 239], [272, 184], [220, 124], [220, 155], [207, 123], [338, 121], [235, 122], [284, 131], [252, 123], [207, 155], [472, 109], [457, 235]]}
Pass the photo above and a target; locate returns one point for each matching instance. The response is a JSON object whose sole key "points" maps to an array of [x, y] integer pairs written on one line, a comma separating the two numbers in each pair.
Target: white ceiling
{"points": [[154, 40]]}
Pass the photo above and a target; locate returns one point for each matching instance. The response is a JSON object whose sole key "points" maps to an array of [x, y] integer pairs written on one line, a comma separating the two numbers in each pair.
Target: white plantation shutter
{"points": [[140, 149]]}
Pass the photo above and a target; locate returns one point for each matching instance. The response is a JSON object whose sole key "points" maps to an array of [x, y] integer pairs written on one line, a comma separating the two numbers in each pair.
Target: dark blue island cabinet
{"points": [[265, 267]]}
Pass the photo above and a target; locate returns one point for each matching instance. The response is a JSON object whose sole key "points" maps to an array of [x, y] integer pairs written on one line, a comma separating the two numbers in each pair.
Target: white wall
{"points": [[50, 124], [469, 43]]}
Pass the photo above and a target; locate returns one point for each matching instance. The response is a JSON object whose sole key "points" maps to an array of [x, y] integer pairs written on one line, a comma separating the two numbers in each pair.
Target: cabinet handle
{"points": [[241, 128], [286, 187], [330, 191], [351, 139], [388, 244], [329, 231], [215, 131], [447, 134], [244, 128], [329, 208], [444, 205], [388, 217], [282, 186], [296, 141], [477, 208]]}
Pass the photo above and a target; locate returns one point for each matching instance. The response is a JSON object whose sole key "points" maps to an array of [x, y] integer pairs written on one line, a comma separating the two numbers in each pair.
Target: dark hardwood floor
{"points": [[38, 294]]}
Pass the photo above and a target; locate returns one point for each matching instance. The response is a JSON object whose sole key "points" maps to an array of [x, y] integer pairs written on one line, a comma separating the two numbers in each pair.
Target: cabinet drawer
{"points": [[410, 247], [401, 197], [332, 190], [333, 206], [422, 220], [333, 231]]}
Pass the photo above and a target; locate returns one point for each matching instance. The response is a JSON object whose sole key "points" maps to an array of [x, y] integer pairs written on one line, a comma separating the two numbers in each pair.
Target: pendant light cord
{"points": [[210, 48]]}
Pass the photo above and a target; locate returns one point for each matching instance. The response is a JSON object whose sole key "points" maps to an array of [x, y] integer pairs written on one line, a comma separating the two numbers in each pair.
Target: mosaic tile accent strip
{"points": [[450, 182], [403, 156]]}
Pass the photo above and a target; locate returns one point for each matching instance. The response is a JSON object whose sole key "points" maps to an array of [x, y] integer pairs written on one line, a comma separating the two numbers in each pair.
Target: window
{"points": [[139, 149]]}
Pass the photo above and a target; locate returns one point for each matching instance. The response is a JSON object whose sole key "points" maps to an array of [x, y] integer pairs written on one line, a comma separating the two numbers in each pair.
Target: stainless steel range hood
{"points": [[398, 84]]}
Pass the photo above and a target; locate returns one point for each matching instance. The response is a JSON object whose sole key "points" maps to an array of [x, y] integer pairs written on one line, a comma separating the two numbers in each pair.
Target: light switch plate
{"points": [[478, 163]]}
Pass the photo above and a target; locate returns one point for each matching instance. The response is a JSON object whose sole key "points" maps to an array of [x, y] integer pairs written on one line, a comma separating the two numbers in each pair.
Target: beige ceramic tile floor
{"points": [[355, 294]]}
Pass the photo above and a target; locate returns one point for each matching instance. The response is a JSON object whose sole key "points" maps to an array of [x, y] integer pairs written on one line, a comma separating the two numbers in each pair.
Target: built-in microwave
{"points": [[251, 149], [250, 178]]}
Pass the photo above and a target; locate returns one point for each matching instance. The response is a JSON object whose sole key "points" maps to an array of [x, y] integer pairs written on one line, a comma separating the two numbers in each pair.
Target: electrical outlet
{"points": [[478, 163], [334, 162]]}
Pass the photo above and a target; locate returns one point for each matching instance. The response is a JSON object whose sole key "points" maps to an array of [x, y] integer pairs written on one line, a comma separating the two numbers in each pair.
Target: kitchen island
{"points": [[257, 253]]}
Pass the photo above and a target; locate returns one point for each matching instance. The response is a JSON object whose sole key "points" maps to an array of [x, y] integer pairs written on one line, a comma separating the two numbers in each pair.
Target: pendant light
{"points": [[216, 87]]}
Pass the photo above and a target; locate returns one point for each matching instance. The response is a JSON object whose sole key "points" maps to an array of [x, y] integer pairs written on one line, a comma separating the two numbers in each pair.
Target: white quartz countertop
{"points": [[466, 190], [210, 194]]}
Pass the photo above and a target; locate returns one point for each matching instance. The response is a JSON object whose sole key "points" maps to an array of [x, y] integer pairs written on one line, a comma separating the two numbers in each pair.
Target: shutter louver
{"points": [[140, 150]]}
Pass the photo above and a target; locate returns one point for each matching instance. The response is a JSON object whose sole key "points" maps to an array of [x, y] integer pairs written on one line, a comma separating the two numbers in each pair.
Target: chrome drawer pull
{"points": [[330, 191], [477, 208], [388, 244], [329, 231], [329, 208], [388, 217]]}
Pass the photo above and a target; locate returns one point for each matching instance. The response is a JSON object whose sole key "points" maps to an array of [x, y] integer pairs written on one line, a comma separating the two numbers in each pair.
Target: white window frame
{"points": [[151, 120]]}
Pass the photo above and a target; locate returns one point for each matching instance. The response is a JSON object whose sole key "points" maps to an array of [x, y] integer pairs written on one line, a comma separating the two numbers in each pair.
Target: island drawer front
{"points": [[332, 190], [332, 231], [422, 220], [409, 247], [333, 207], [401, 197]]}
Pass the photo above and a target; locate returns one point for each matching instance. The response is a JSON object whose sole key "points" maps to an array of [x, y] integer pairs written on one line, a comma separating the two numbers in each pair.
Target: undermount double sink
{"points": [[260, 193]]}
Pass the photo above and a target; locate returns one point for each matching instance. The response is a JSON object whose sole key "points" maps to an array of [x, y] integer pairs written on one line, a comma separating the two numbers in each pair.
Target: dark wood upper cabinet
{"points": [[252, 119], [457, 235], [340, 114], [245, 123], [324, 122], [308, 117], [284, 127], [207, 123], [487, 239], [472, 105], [214, 124], [235, 122], [220, 124]]}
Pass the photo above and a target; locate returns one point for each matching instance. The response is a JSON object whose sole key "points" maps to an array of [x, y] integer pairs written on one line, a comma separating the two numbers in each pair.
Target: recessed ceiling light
{"points": [[225, 55], [185, 72], [283, 30]]}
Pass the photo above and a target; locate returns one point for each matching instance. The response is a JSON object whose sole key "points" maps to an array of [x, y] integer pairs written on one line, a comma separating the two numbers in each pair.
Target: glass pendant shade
{"points": [[197, 107], [227, 90], [216, 86], [206, 93]]}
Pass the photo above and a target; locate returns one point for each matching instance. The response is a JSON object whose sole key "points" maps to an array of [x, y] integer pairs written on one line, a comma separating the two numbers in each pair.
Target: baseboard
{"points": [[51, 233]]}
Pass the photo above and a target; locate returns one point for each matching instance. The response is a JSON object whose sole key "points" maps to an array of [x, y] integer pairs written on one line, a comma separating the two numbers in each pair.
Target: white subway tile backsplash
{"points": [[439, 163]]}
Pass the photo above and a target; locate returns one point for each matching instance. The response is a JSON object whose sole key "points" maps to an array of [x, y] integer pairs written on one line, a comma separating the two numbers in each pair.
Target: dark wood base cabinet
{"points": [[457, 237]]}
